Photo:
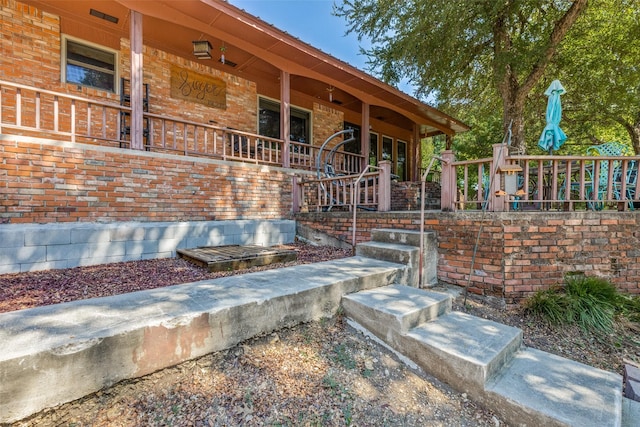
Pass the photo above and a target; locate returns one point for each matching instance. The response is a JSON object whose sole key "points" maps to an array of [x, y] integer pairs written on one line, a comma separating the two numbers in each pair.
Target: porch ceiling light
{"points": [[202, 49]]}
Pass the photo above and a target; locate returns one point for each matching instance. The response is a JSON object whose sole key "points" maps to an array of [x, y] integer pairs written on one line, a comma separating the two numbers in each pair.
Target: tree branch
{"points": [[559, 31]]}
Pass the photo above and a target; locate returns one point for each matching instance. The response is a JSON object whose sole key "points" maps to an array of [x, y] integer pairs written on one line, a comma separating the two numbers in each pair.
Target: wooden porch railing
{"points": [[367, 190], [544, 182], [31, 111]]}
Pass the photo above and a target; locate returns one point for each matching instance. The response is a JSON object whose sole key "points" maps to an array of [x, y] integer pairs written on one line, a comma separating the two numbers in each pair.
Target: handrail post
{"points": [[384, 187], [448, 186]]}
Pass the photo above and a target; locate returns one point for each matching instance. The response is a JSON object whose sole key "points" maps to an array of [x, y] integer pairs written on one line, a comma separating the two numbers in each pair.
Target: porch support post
{"points": [[384, 188], [285, 114], [135, 37], [364, 135], [415, 161], [448, 185]]}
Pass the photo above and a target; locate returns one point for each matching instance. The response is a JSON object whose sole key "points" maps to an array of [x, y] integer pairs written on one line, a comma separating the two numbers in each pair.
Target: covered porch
{"points": [[205, 79]]}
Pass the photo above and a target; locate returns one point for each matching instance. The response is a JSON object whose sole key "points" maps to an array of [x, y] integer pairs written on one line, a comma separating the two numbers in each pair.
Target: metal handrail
{"points": [[354, 201], [423, 181]]}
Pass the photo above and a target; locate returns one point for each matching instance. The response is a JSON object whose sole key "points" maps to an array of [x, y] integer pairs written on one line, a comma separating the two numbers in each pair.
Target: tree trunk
{"points": [[633, 129], [513, 123], [635, 135]]}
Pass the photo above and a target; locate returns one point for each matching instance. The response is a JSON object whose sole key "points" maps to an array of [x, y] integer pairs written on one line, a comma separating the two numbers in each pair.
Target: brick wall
{"points": [[241, 94], [517, 253], [44, 182], [29, 45], [405, 196], [326, 122]]}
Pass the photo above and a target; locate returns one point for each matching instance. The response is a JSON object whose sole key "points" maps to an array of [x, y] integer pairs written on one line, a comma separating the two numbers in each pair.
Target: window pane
{"points": [[90, 66], [89, 77], [354, 146], [90, 56], [387, 148], [373, 149], [269, 122], [401, 169], [298, 129]]}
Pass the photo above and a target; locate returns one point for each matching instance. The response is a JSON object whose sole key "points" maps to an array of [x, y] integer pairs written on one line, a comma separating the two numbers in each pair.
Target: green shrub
{"points": [[590, 302], [550, 304], [629, 306], [595, 287]]}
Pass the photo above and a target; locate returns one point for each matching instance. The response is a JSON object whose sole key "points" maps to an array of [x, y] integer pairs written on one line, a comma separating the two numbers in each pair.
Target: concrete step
{"points": [[396, 307], [463, 350], [403, 237], [396, 253], [58, 353], [485, 359], [539, 388], [412, 238], [630, 413]]}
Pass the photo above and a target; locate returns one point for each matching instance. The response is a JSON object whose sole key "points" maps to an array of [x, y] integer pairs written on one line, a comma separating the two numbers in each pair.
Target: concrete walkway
{"points": [[55, 354]]}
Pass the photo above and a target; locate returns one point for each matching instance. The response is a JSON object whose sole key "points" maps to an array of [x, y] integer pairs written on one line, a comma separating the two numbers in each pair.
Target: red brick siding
{"points": [[405, 196], [517, 254], [42, 183], [326, 122], [241, 94], [30, 45]]}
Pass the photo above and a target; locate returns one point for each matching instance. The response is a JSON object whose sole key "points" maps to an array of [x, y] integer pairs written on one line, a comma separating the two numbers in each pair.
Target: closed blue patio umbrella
{"points": [[552, 136]]}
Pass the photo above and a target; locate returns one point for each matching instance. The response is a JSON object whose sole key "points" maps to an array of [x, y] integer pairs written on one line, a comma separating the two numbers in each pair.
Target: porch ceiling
{"points": [[254, 46]]}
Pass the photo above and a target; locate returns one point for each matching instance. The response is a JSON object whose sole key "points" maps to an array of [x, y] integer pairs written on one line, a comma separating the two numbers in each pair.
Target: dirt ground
{"points": [[317, 374]]}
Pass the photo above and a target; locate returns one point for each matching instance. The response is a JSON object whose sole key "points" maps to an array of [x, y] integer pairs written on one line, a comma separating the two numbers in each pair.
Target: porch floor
{"points": [[235, 257]]}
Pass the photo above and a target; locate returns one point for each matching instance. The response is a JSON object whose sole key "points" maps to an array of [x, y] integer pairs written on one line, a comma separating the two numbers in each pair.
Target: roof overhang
{"points": [[258, 50]]}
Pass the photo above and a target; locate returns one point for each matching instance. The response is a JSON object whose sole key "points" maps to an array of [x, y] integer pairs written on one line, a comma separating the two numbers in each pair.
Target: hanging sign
{"points": [[200, 88]]}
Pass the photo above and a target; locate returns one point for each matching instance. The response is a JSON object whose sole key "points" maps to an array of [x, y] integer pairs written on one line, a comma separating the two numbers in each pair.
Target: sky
{"points": [[312, 22]]}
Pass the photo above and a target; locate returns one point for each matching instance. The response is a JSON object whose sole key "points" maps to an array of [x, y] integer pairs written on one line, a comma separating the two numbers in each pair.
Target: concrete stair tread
{"points": [[403, 237], [559, 391], [462, 335], [398, 306], [389, 245], [630, 413], [461, 341]]}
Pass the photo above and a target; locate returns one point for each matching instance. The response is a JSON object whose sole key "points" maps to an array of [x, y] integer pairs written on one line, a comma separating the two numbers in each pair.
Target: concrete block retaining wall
{"points": [[31, 247]]}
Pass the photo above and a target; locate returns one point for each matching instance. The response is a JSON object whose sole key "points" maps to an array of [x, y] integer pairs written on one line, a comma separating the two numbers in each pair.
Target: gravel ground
{"points": [[318, 374]]}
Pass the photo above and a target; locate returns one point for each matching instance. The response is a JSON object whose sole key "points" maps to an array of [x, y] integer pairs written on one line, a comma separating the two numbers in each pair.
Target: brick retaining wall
{"points": [[518, 253]]}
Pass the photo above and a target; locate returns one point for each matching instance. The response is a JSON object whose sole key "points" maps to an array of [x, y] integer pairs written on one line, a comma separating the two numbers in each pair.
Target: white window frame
{"points": [[64, 60]]}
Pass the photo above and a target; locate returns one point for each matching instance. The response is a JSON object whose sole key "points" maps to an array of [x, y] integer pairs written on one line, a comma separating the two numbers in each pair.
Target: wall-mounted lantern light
{"points": [[202, 49]]}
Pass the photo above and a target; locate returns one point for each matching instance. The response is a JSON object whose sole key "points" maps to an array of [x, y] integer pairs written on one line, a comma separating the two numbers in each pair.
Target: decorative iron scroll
{"points": [[200, 88]]}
